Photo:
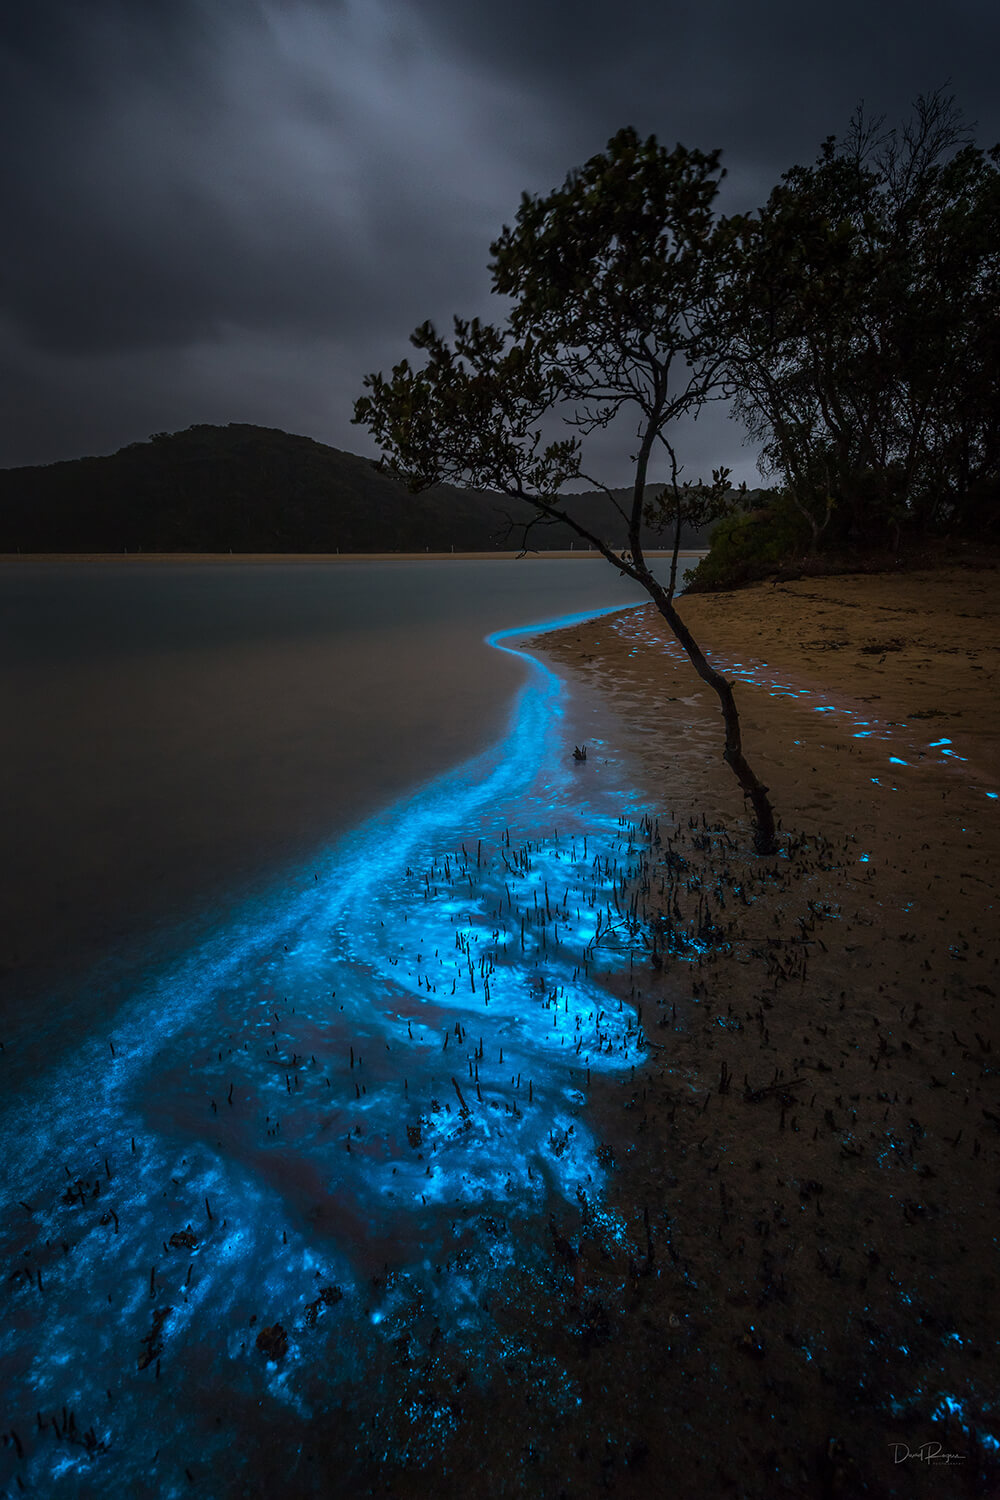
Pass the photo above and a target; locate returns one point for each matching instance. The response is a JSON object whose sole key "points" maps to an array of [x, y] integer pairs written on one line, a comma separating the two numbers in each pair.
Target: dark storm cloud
{"points": [[224, 184], [291, 167], [227, 210], [730, 74]]}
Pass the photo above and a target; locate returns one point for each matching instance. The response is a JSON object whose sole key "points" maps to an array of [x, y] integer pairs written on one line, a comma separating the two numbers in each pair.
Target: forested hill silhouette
{"points": [[258, 489]]}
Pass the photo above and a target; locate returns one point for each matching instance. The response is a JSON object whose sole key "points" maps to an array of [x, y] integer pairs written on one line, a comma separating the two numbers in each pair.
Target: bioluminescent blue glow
{"points": [[633, 625], [316, 1122]]}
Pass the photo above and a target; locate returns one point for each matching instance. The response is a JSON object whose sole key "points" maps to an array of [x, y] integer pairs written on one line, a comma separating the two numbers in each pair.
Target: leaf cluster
{"points": [[608, 279]]}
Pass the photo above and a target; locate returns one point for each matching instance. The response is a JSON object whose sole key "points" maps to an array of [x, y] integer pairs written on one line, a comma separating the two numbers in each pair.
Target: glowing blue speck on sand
{"points": [[635, 627], [361, 1073]]}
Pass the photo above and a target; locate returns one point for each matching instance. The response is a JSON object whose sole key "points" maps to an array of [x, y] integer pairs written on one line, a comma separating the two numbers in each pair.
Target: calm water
{"points": [[175, 734], [312, 911]]}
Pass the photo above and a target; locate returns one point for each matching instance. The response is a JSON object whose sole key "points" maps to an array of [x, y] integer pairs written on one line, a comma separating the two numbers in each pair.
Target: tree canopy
{"points": [[611, 280], [608, 278], [853, 321], [862, 325]]}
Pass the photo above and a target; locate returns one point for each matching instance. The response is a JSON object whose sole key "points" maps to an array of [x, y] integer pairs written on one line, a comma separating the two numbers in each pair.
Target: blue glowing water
{"points": [[357, 1073], [174, 735]]}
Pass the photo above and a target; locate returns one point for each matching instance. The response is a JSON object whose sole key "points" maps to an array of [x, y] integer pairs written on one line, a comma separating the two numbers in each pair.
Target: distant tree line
{"points": [[242, 488]]}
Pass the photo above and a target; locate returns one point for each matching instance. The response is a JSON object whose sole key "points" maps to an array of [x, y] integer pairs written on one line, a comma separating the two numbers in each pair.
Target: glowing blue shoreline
{"points": [[304, 1175]]}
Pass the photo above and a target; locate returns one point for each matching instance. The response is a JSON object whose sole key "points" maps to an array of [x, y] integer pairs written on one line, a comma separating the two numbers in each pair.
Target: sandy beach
{"points": [[808, 1162]]}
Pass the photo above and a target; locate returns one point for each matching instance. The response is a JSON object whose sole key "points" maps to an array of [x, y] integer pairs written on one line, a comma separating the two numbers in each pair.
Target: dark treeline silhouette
{"points": [[257, 489], [860, 329]]}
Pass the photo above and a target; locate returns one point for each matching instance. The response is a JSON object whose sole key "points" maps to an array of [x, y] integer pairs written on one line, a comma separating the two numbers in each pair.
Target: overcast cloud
{"points": [[230, 210]]}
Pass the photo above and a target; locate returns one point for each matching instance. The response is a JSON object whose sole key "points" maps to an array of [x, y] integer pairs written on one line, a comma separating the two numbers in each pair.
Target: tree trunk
{"points": [[677, 548], [754, 790]]}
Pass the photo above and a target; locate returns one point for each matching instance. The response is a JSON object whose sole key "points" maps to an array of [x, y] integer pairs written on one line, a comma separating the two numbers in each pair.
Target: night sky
{"points": [[230, 210]]}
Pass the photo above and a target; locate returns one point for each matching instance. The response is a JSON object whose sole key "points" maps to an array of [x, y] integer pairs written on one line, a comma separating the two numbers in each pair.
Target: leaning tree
{"points": [[612, 281]]}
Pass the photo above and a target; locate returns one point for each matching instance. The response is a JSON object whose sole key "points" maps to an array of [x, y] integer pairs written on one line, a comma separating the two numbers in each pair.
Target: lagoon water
{"points": [[315, 908], [176, 734]]}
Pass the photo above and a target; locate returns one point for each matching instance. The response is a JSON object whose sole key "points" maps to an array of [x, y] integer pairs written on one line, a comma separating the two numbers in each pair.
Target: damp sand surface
{"points": [[746, 1248], [805, 1298]]}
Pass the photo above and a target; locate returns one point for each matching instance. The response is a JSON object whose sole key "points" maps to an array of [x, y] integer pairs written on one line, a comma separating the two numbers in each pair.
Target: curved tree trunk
{"points": [[754, 790], [634, 565]]}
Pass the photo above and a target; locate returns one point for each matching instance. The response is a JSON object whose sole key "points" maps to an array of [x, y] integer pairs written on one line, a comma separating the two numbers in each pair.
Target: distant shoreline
{"points": [[312, 557]]}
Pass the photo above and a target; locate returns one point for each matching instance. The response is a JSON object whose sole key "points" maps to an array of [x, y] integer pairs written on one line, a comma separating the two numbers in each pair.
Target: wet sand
{"points": [[805, 1301]]}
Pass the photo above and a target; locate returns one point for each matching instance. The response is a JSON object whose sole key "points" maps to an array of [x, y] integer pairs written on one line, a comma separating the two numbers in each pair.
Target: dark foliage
{"points": [[751, 544], [862, 319]]}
